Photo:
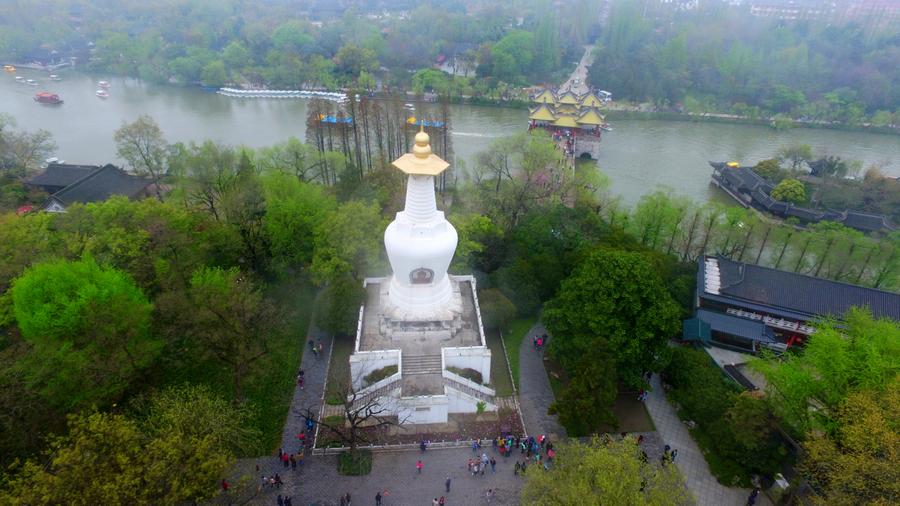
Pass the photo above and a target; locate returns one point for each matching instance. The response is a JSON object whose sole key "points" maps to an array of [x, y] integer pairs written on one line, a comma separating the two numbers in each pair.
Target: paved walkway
{"points": [[318, 483], [690, 460], [309, 399], [580, 74], [535, 394]]}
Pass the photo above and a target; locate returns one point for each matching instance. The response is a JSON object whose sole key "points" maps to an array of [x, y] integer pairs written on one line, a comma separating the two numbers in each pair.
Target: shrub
{"points": [[379, 374], [469, 374], [356, 463]]}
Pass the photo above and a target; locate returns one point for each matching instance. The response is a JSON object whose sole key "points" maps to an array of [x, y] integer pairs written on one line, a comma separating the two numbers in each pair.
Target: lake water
{"points": [[638, 156]]}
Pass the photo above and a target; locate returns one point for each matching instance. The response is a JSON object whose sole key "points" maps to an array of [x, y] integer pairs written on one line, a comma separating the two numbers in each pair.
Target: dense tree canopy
{"points": [[603, 318], [603, 471], [807, 388], [90, 328], [177, 453]]}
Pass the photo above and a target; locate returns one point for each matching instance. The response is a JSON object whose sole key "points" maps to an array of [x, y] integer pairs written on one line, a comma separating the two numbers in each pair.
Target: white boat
{"points": [[54, 77], [103, 84], [31, 82], [102, 93], [20, 79]]}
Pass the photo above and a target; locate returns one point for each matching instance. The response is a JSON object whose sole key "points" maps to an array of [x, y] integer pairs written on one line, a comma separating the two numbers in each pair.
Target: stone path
{"points": [[535, 394], [580, 73], [690, 459], [318, 483], [309, 399]]}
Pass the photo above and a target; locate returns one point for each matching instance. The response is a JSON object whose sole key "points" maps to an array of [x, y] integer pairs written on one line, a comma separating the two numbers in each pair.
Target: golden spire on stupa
{"points": [[421, 162]]}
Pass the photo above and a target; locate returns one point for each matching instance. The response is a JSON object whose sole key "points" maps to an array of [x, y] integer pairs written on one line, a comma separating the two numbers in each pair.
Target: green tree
{"points": [[177, 454], [90, 329], [614, 306], [603, 471], [806, 389], [337, 306], [349, 240], [214, 74], [770, 169], [859, 461], [352, 61], [236, 55], [294, 210], [789, 190], [512, 56], [225, 316], [496, 310], [796, 154]]}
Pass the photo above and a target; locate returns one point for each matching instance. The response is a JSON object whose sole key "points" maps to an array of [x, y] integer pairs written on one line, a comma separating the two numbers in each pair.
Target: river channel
{"points": [[638, 156]]}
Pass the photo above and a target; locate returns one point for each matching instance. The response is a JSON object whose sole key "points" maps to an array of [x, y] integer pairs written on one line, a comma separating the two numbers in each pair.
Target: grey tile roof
{"points": [[62, 174], [866, 222], [801, 293], [101, 185]]}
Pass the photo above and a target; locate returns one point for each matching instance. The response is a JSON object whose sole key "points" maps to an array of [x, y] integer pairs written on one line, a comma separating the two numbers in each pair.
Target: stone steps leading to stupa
{"points": [[421, 364]]}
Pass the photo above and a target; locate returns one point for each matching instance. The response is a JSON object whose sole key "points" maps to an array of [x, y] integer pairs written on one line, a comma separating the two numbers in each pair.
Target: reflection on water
{"points": [[638, 156]]}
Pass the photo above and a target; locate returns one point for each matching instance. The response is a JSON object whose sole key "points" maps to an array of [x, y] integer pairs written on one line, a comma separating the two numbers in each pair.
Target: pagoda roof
{"points": [[568, 98], [542, 113], [566, 122], [591, 100], [545, 97], [591, 117]]}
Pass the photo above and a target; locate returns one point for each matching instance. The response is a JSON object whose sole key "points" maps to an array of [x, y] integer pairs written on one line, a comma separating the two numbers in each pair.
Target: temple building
{"points": [[748, 307], [421, 324], [574, 120]]}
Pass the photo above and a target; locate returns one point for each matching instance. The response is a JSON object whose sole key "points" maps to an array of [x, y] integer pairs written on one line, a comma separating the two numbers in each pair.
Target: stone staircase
{"points": [[379, 392], [456, 385], [421, 364]]}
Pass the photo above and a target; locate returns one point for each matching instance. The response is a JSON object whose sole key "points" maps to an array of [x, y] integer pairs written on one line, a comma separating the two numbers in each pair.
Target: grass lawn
{"points": [[339, 370], [513, 337], [499, 373], [269, 387]]}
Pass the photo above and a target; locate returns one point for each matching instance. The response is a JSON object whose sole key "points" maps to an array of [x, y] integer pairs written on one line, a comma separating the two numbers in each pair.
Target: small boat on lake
{"points": [[103, 84], [20, 79], [54, 77], [31, 82], [9, 68], [45, 97], [102, 93]]}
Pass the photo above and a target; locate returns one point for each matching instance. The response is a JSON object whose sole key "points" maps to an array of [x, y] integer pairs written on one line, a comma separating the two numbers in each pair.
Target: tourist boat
{"points": [[102, 93], [605, 127], [31, 82], [9, 68], [54, 77], [20, 79], [103, 84], [45, 97]]}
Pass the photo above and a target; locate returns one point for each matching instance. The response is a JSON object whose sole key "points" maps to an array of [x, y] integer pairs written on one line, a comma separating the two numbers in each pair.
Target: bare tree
{"points": [[143, 146], [360, 410]]}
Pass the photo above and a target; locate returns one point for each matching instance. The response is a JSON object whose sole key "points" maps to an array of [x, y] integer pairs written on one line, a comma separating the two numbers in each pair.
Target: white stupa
{"points": [[420, 243], [421, 319]]}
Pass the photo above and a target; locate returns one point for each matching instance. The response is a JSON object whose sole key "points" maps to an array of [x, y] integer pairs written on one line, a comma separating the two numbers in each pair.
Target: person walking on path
{"points": [[447, 484], [751, 501], [419, 466], [493, 465], [377, 498], [442, 501]]}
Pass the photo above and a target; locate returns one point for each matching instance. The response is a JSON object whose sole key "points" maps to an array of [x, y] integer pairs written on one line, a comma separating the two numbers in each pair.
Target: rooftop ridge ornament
{"points": [[422, 161]]}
